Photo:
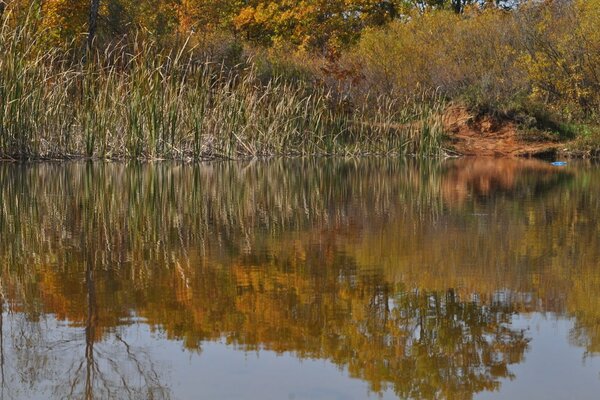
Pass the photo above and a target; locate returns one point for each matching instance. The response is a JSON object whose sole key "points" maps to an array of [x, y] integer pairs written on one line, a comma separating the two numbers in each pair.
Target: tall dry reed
{"points": [[136, 101]]}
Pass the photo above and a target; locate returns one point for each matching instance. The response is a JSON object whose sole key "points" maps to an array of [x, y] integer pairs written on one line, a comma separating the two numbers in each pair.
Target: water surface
{"points": [[300, 279]]}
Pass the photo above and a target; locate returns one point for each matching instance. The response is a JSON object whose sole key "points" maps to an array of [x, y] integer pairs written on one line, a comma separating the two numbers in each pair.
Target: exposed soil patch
{"points": [[485, 135]]}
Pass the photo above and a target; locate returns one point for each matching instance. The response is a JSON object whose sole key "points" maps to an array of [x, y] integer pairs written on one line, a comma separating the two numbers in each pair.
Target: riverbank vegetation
{"points": [[189, 79]]}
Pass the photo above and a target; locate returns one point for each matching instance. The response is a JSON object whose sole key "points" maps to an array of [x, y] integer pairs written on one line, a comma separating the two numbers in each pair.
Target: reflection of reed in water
{"points": [[116, 207]]}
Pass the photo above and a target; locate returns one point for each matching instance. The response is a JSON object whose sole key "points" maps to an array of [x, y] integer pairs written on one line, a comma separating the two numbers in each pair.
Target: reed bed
{"points": [[136, 101]]}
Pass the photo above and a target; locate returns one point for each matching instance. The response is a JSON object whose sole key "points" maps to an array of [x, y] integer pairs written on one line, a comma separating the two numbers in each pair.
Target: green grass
{"points": [[137, 102]]}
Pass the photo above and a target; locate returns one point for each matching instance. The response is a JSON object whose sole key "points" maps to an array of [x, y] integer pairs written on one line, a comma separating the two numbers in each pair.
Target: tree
{"points": [[63, 20], [203, 15], [458, 6], [312, 24], [92, 22]]}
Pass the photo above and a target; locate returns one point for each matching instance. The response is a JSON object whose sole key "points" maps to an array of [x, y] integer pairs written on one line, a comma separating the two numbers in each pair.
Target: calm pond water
{"points": [[300, 279]]}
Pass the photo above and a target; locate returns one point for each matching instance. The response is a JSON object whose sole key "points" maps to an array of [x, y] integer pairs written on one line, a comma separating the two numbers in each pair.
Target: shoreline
{"points": [[555, 156]]}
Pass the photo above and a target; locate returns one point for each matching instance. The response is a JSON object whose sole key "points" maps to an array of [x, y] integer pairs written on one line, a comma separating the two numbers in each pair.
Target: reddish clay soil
{"points": [[472, 135]]}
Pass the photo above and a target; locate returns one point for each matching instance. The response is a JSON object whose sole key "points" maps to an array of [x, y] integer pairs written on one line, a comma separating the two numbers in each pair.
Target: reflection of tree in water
{"points": [[420, 344], [454, 349], [584, 304], [40, 354], [112, 368], [319, 305]]}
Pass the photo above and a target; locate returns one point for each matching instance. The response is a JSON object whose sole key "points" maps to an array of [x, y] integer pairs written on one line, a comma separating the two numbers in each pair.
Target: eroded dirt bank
{"points": [[489, 136]]}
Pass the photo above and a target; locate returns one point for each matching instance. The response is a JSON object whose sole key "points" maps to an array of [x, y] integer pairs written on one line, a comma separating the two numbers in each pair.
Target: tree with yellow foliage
{"points": [[311, 24], [203, 15], [64, 20]]}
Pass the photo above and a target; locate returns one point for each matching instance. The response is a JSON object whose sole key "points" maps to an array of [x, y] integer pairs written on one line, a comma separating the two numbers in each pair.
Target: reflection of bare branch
{"points": [[75, 380], [2, 377], [104, 372], [154, 376]]}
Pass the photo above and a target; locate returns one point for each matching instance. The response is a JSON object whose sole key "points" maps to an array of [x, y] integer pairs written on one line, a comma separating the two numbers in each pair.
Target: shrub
{"points": [[543, 52]]}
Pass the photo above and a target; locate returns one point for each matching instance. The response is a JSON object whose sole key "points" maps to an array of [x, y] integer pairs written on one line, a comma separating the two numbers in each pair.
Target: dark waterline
{"points": [[300, 279]]}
